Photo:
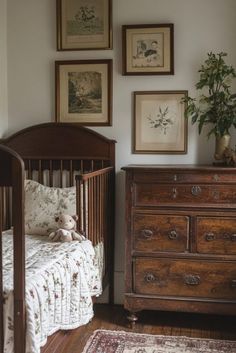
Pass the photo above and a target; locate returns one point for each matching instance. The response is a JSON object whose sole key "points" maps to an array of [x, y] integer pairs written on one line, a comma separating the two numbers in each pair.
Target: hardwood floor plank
{"points": [[152, 322]]}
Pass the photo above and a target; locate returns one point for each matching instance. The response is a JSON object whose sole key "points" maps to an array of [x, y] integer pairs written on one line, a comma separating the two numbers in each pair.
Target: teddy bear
{"points": [[66, 231]]}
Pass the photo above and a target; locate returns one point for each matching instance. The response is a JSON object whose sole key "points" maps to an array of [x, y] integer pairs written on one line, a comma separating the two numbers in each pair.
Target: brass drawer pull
{"points": [[227, 236], [173, 235], [175, 193], [233, 237], [233, 283], [147, 233], [150, 278], [216, 177], [192, 280], [196, 190], [209, 236]]}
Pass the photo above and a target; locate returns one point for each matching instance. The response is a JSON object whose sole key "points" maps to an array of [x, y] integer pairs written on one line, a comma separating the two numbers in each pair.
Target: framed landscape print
{"points": [[84, 24], [84, 92], [148, 49], [159, 122]]}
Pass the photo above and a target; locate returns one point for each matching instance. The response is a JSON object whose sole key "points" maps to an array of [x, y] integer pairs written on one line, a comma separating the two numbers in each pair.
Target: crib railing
{"points": [[95, 199], [45, 170]]}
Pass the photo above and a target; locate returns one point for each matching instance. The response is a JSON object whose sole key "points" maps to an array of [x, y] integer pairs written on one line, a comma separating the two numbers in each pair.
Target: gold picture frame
{"points": [[84, 24], [148, 49], [84, 92], [160, 126]]}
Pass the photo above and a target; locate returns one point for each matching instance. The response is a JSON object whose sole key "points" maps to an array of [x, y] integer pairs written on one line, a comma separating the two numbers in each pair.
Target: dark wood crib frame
{"points": [[88, 158]]}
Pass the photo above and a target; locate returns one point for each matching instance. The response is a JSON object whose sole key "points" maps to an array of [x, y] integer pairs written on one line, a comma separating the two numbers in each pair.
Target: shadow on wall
{"points": [[205, 148], [120, 226]]}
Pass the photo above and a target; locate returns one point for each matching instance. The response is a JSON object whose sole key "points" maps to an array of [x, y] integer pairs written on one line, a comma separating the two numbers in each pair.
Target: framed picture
{"points": [[84, 24], [148, 49], [159, 122], [84, 91]]}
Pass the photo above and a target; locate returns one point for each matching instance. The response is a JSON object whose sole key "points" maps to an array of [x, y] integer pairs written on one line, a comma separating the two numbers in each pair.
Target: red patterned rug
{"points": [[104, 341]]}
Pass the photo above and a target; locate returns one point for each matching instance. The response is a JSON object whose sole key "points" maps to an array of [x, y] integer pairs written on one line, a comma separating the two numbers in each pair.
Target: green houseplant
{"points": [[216, 105]]}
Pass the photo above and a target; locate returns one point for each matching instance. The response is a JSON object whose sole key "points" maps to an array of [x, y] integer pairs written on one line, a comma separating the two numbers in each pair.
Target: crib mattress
{"points": [[60, 280]]}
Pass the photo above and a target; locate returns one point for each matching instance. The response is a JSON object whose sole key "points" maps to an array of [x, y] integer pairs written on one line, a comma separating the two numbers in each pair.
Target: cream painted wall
{"points": [[3, 67], [200, 26]]}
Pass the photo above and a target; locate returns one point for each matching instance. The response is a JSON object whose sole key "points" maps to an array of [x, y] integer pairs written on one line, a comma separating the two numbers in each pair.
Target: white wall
{"points": [[3, 67], [200, 27]]}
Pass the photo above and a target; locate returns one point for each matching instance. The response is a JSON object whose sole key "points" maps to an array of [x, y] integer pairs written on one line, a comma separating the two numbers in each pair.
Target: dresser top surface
{"points": [[186, 167]]}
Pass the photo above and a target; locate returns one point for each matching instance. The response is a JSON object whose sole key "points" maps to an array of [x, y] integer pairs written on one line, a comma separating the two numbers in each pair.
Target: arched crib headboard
{"points": [[67, 146]]}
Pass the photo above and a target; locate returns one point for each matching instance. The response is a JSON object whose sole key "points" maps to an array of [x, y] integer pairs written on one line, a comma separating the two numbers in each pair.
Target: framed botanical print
{"points": [[84, 24], [159, 122], [84, 91], [148, 49]]}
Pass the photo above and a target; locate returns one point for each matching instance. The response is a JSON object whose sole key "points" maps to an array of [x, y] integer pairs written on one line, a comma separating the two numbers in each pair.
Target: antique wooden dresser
{"points": [[181, 239]]}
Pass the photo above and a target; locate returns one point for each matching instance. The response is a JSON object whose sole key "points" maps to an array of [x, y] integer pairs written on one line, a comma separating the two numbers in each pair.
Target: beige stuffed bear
{"points": [[66, 229]]}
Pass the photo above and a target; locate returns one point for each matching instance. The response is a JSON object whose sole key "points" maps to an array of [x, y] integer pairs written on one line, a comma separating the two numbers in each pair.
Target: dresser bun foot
{"points": [[132, 318]]}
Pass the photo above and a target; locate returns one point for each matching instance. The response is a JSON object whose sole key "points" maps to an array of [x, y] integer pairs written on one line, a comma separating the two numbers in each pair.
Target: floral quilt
{"points": [[60, 280]]}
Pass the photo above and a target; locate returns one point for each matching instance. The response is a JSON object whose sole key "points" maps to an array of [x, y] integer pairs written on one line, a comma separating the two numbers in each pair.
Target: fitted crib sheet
{"points": [[61, 278]]}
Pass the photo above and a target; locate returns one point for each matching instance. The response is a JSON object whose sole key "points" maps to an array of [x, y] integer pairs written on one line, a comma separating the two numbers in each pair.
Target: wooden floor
{"points": [[163, 323]]}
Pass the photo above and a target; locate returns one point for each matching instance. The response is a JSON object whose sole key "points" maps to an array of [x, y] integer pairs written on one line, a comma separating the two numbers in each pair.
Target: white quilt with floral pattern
{"points": [[60, 280]]}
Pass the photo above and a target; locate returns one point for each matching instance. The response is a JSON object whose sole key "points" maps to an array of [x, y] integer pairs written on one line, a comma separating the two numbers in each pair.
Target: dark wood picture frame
{"points": [[84, 25], [84, 92], [148, 49], [159, 123]]}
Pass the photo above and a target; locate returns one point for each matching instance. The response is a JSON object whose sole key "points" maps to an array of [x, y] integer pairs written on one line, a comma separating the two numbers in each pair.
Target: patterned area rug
{"points": [[104, 341]]}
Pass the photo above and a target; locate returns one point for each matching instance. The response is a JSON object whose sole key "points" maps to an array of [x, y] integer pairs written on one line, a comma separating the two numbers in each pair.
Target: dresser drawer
{"points": [[216, 235], [153, 232], [190, 278], [154, 194], [177, 176]]}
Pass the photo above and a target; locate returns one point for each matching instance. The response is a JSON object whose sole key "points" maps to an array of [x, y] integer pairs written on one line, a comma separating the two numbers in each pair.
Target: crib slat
{"points": [[97, 208], [61, 173], [88, 206], [94, 209], [85, 210], [40, 172], [8, 207], [91, 234], [79, 205], [100, 207], [71, 174], [29, 169], [104, 216], [3, 208], [90, 210], [50, 173], [102, 202]]}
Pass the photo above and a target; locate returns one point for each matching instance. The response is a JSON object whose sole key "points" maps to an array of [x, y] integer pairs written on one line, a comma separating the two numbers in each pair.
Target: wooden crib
{"points": [[88, 158]]}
